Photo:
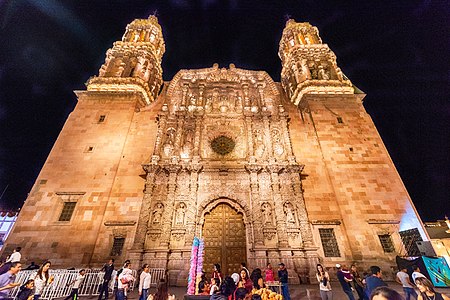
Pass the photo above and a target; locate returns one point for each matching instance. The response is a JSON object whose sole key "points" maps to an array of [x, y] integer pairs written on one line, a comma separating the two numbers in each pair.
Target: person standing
{"points": [[14, 257], [42, 279], [357, 281], [344, 283], [324, 283], [216, 272], [144, 282], [283, 276], [374, 281], [124, 280], [108, 268], [7, 280], [76, 285], [269, 275], [416, 274], [403, 278]]}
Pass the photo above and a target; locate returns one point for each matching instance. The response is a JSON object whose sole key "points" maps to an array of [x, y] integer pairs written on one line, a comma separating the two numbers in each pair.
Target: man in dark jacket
{"points": [[344, 283], [283, 276], [108, 268]]}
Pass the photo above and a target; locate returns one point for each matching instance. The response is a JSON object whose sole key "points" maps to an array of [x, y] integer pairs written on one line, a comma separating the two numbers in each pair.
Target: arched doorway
{"points": [[225, 242]]}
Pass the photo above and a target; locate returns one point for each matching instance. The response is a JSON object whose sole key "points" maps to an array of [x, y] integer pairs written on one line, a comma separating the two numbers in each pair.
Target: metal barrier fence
{"points": [[61, 286]]}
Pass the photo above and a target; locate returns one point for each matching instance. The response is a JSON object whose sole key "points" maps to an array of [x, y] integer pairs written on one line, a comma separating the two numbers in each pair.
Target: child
{"points": [[270, 277], [76, 284], [26, 291], [215, 283]]}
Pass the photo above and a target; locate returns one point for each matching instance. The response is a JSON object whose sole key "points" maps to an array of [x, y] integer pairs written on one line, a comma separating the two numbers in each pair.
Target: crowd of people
{"points": [[244, 285], [372, 286]]}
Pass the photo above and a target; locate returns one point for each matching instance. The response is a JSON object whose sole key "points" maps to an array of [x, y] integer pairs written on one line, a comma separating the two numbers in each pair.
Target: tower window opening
{"points": [[339, 119], [102, 118]]}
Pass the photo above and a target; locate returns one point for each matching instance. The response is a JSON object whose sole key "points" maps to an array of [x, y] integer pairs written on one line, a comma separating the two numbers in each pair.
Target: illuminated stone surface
{"points": [[143, 164]]}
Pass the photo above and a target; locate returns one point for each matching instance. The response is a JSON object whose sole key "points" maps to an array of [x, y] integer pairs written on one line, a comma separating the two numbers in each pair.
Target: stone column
{"points": [[191, 215], [178, 136], [184, 96], [198, 130], [305, 228], [287, 140], [173, 170], [260, 87], [279, 213], [251, 150], [160, 132], [144, 215], [258, 236]]}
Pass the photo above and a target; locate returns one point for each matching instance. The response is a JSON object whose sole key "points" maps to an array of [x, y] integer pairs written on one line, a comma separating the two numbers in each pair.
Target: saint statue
{"points": [[267, 213], [157, 213], [179, 214], [290, 217]]}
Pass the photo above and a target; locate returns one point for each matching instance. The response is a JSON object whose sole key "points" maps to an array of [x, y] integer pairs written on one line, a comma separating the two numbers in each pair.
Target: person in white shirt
{"points": [[408, 287], [15, 257], [76, 284], [144, 282], [416, 274], [41, 279], [324, 283], [123, 282]]}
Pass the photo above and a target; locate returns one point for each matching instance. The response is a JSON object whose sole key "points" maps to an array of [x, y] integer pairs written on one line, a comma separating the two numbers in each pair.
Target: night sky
{"points": [[397, 52]]}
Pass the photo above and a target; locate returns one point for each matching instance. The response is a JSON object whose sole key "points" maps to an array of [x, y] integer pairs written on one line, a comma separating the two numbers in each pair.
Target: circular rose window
{"points": [[222, 145]]}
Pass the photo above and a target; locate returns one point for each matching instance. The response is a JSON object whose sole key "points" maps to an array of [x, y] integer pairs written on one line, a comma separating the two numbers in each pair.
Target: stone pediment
{"points": [[214, 76]]}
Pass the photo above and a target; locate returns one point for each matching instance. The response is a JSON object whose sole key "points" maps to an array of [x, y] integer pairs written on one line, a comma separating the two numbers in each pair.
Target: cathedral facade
{"points": [[291, 172]]}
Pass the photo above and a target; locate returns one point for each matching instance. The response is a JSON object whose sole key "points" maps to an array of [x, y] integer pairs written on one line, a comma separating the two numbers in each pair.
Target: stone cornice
{"points": [[326, 222], [120, 223]]}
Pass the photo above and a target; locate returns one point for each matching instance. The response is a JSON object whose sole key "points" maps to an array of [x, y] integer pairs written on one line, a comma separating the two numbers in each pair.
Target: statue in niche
{"points": [[289, 212], [297, 78], [170, 141], [223, 103], [278, 148], [215, 101], [323, 74], [267, 213], [117, 68], [192, 100], [238, 103], [259, 143], [313, 70], [179, 214], [188, 144], [136, 36], [208, 105], [157, 213]]}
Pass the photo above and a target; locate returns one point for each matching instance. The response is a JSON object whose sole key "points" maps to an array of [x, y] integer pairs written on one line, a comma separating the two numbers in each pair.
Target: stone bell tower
{"points": [[134, 63], [356, 201], [309, 67]]}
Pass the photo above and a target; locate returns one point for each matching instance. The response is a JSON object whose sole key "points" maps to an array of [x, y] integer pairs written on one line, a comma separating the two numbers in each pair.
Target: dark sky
{"points": [[398, 52]]}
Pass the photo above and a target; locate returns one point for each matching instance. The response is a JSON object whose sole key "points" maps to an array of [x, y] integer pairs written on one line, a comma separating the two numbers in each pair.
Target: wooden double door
{"points": [[225, 240]]}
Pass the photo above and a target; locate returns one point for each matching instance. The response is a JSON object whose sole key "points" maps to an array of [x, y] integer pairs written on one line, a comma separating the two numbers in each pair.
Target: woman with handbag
{"points": [[324, 283]]}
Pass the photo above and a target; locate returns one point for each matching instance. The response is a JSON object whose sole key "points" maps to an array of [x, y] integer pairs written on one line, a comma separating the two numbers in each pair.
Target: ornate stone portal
{"points": [[223, 138], [266, 172]]}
